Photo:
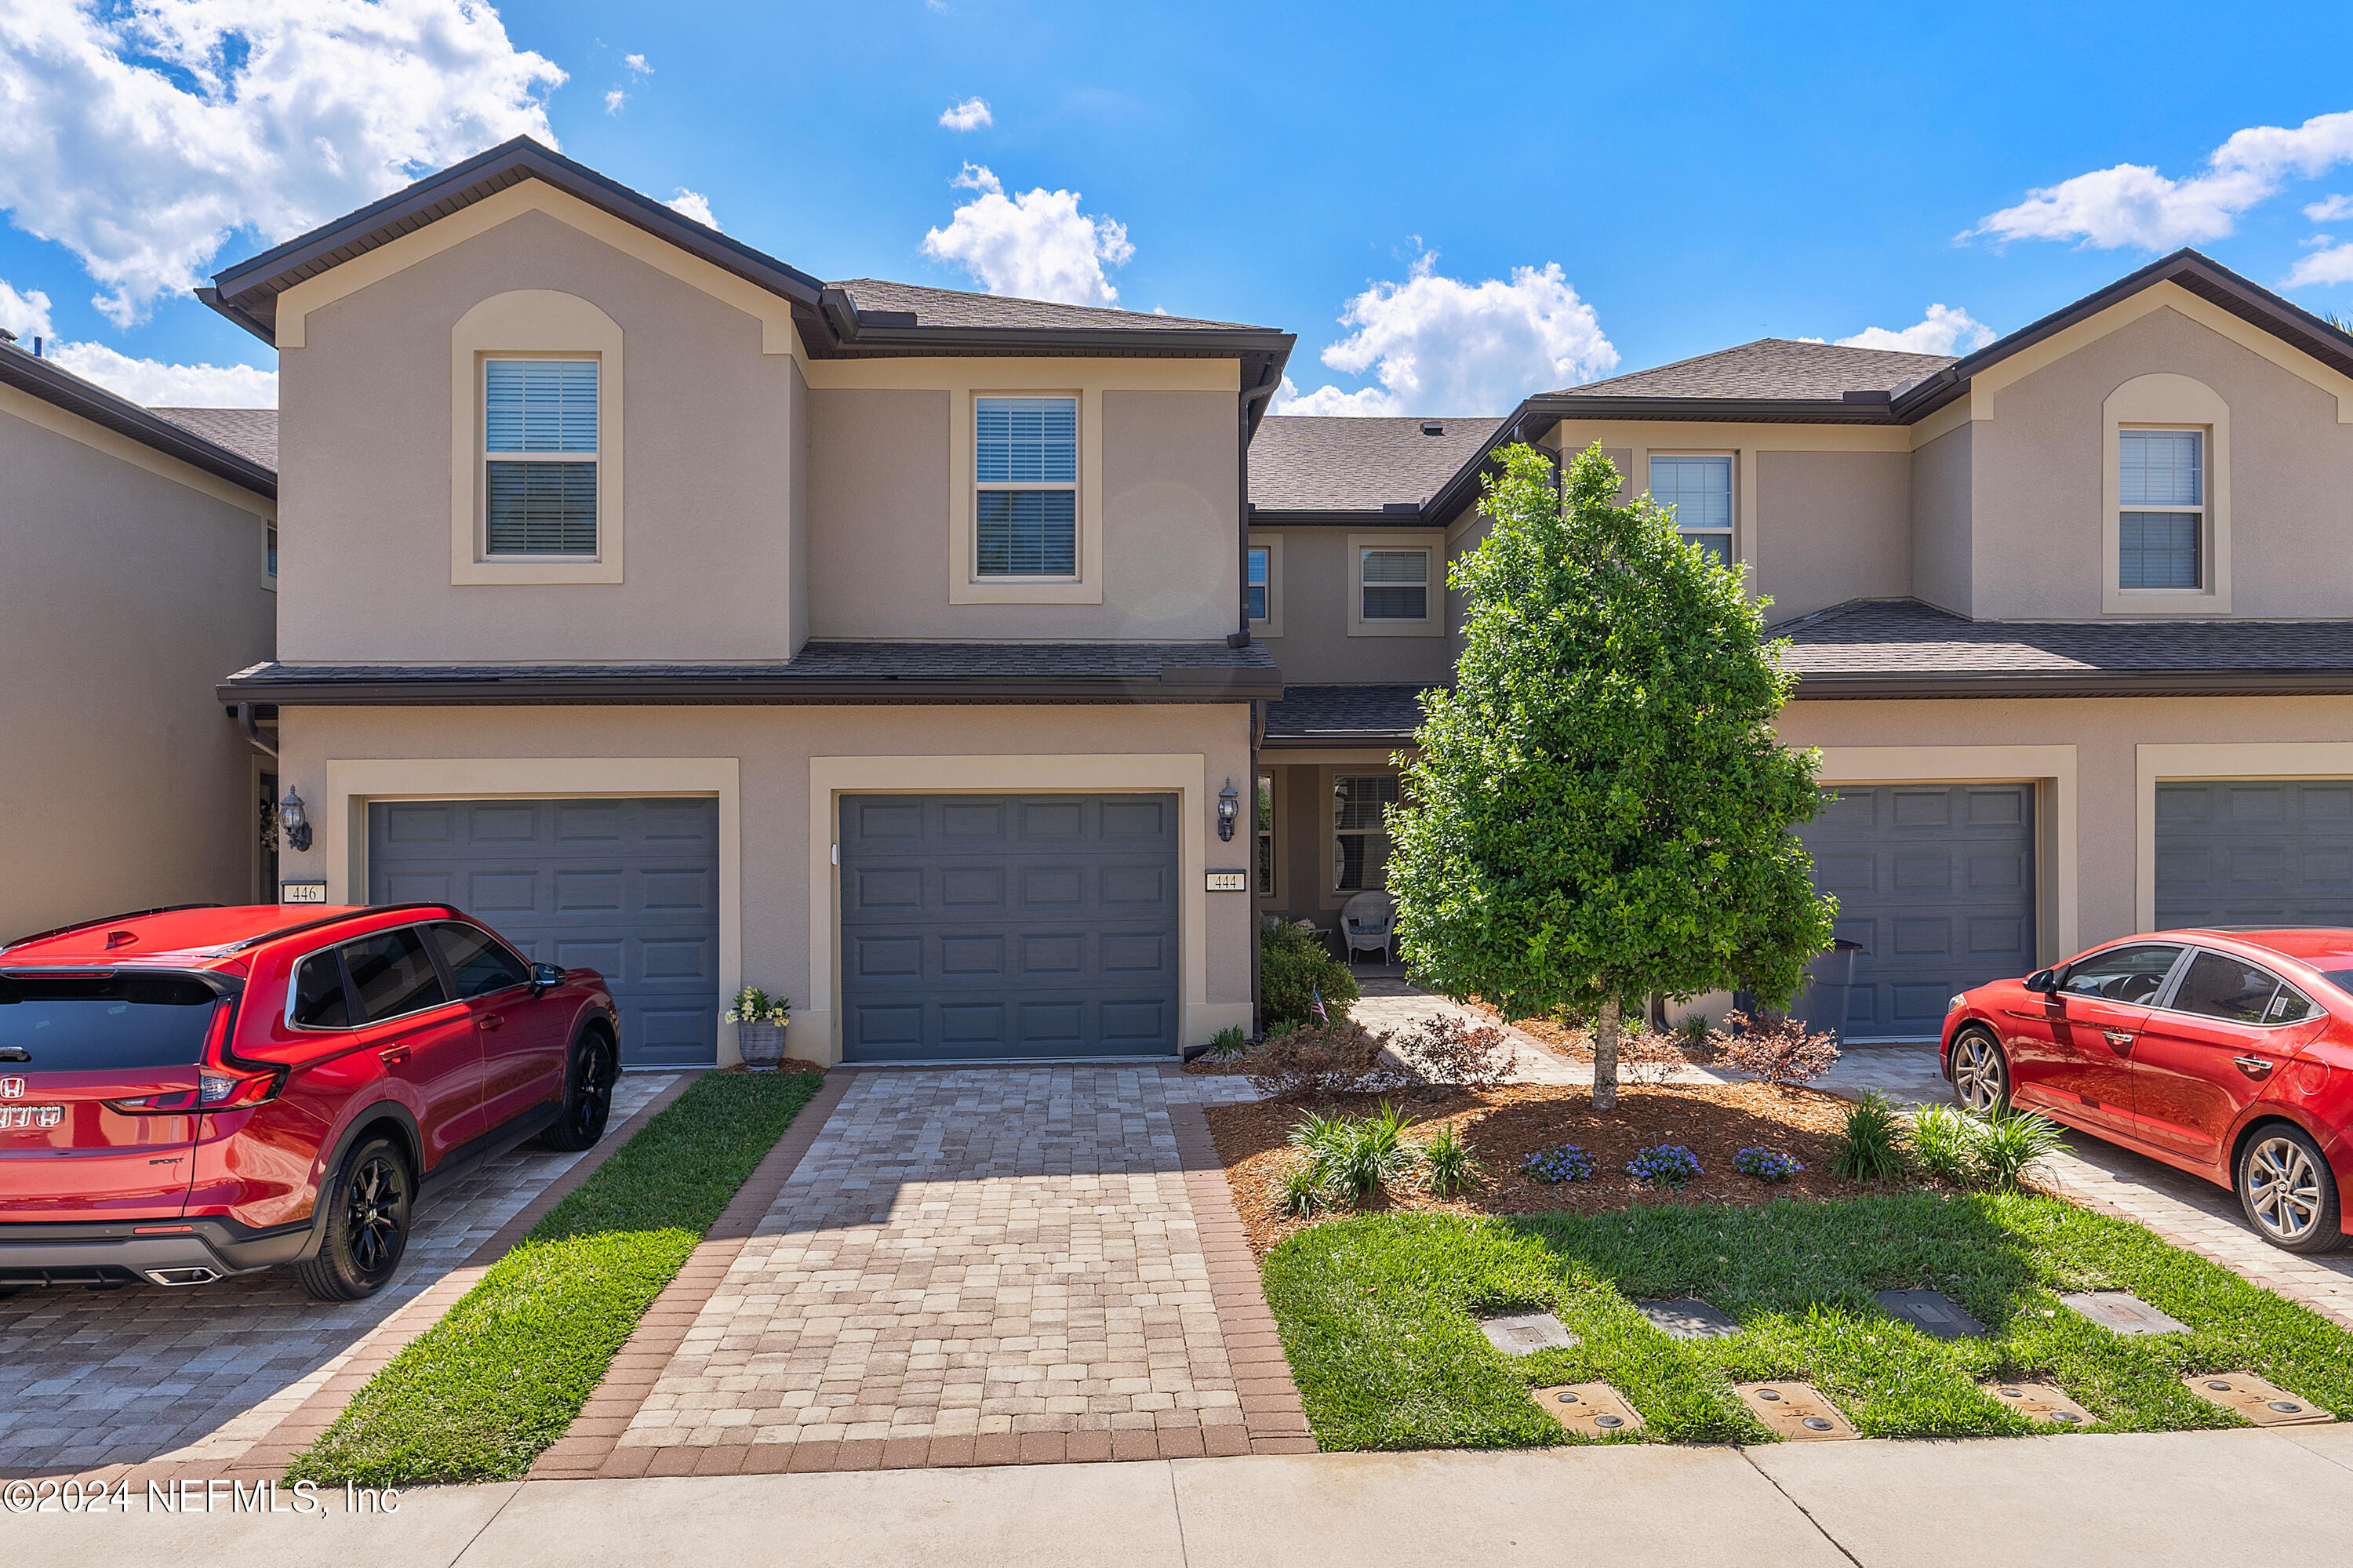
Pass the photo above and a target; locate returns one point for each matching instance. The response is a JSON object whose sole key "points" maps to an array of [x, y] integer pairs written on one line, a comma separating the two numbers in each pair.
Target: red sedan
{"points": [[191, 1093], [2227, 1053]]}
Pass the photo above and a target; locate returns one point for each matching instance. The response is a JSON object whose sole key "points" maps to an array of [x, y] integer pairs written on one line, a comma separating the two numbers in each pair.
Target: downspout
{"points": [[1242, 639], [253, 732]]}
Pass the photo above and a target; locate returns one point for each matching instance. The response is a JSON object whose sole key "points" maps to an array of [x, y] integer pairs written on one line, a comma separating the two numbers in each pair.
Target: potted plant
{"points": [[759, 1019]]}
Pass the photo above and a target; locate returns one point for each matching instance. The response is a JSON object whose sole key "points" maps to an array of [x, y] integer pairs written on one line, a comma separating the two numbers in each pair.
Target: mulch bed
{"points": [[1505, 1125]]}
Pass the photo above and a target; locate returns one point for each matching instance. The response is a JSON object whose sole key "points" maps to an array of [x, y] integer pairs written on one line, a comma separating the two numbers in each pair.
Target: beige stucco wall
{"points": [[2103, 734], [123, 595], [1941, 473], [365, 434], [879, 503], [773, 754], [1831, 527], [2041, 461], [1315, 648]]}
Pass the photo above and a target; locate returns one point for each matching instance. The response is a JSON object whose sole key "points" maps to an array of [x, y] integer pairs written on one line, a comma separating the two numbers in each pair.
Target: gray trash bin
{"points": [[1821, 1000]]}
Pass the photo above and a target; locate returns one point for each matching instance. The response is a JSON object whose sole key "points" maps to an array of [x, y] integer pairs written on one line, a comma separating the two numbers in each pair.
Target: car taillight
{"points": [[214, 1091]]}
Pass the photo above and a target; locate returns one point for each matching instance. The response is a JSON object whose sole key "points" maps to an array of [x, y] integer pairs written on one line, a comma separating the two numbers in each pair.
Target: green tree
{"points": [[1601, 810]]}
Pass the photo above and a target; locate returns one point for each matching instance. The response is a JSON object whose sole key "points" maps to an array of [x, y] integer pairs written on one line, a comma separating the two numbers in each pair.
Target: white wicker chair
{"points": [[1369, 921]]}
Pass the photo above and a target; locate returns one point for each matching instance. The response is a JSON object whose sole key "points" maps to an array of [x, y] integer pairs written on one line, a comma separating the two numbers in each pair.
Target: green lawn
{"points": [[479, 1394], [1375, 1313]]}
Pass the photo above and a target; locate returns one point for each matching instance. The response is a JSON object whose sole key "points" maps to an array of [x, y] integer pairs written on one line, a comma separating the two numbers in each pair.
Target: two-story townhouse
{"points": [[137, 557], [2073, 617], [693, 618]]}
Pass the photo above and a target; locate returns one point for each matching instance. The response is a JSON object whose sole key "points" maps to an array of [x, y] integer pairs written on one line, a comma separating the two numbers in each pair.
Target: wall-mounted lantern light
{"points": [[290, 820], [1229, 806]]}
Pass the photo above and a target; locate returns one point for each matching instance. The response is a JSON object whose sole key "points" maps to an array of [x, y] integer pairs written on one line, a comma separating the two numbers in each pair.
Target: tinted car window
{"points": [[477, 961], [2219, 986], [2291, 1006], [2133, 974], [104, 1024], [392, 974], [319, 1002]]}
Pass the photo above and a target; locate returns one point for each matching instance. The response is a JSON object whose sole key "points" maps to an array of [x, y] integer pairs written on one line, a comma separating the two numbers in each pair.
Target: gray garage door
{"points": [[2250, 851], [1937, 883], [1005, 927], [629, 888]]}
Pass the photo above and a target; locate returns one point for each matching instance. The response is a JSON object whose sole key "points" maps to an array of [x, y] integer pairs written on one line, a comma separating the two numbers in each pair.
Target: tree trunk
{"points": [[1605, 1056]]}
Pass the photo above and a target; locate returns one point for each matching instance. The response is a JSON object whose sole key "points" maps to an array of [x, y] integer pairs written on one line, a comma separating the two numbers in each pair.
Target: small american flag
{"points": [[1321, 1016]]}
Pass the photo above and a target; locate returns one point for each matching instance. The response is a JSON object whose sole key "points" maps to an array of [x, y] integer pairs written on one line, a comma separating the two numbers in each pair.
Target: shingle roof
{"points": [[1897, 640], [249, 432], [824, 672], [1342, 716], [956, 308], [1303, 462], [1771, 368], [60, 388]]}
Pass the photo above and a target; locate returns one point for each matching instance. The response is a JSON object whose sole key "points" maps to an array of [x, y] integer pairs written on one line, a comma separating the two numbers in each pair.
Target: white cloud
{"points": [[25, 314], [1946, 329], [694, 205], [153, 384], [141, 137], [1439, 345], [614, 99], [2333, 265], [2328, 209], [637, 64], [1035, 246], [970, 115], [2132, 203]]}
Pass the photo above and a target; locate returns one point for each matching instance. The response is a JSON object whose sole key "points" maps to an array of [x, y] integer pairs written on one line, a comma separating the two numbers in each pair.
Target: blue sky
{"points": [[1698, 175]]}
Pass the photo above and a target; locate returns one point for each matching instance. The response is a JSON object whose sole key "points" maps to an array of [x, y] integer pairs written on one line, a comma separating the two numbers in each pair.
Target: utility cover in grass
{"points": [[2122, 1311], [2040, 1402], [1931, 1312], [1688, 1318], [1524, 1333]]}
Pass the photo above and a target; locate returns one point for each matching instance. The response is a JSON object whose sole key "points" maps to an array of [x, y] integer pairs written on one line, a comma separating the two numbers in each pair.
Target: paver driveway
{"points": [[125, 1376], [973, 1253]]}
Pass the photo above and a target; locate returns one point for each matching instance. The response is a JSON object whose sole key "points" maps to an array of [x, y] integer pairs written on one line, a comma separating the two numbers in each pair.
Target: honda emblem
{"points": [[10, 1089]]}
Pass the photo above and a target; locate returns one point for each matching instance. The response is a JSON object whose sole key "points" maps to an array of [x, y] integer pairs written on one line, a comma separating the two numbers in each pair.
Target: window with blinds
{"points": [[1025, 487], [1257, 584], [539, 457], [1698, 489], [1395, 585], [1360, 839], [2161, 524]]}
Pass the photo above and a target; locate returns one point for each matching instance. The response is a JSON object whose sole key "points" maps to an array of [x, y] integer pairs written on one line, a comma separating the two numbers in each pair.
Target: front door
{"points": [[2206, 1055], [2077, 1059]]}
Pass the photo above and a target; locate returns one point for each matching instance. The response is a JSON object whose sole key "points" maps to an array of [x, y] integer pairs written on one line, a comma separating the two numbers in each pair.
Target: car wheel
{"points": [[2288, 1191], [588, 1097], [1980, 1072], [367, 1224]]}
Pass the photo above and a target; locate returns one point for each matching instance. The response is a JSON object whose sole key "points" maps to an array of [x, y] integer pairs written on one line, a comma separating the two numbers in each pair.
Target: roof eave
{"points": [[1173, 685], [61, 388], [2075, 684]]}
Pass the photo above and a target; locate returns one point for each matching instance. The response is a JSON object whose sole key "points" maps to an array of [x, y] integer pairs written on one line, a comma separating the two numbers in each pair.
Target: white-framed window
{"points": [[1394, 583], [1698, 489], [2161, 509], [1257, 584], [1025, 487], [1266, 884], [1360, 838], [539, 458]]}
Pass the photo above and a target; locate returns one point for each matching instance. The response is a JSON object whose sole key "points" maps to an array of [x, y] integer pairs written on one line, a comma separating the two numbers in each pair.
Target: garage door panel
{"points": [[1936, 886], [2255, 852], [626, 887], [1009, 927]]}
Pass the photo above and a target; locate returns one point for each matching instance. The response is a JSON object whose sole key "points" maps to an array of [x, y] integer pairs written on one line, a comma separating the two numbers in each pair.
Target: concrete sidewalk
{"points": [[2187, 1498]]}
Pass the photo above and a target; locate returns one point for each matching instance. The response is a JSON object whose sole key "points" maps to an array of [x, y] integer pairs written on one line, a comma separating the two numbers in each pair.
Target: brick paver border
{"points": [[1275, 1418], [586, 1450]]}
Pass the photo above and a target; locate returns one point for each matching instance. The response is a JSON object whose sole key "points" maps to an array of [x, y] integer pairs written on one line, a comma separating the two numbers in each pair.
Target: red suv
{"points": [[2226, 1052], [200, 1091]]}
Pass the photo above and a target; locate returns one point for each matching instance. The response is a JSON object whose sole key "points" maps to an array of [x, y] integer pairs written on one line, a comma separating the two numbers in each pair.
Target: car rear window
{"points": [[318, 993], [104, 1023], [392, 974], [2219, 986]]}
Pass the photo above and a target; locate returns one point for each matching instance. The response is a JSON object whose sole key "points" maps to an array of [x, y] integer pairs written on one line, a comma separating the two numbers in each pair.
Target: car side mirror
{"points": [[544, 976], [2043, 981]]}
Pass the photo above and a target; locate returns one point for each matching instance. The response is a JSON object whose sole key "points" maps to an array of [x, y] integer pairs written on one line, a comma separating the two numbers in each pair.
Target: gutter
{"points": [[1174, 684], [2078, 683]]}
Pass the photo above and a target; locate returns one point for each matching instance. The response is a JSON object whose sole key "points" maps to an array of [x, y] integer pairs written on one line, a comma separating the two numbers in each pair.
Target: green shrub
{"points": [[1348, 1156], [1453, 1167], [2010, 1144], [1302, 1190], [1227, 1044], [1293, 967], [1872, 1147], [1945, 1143]]}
